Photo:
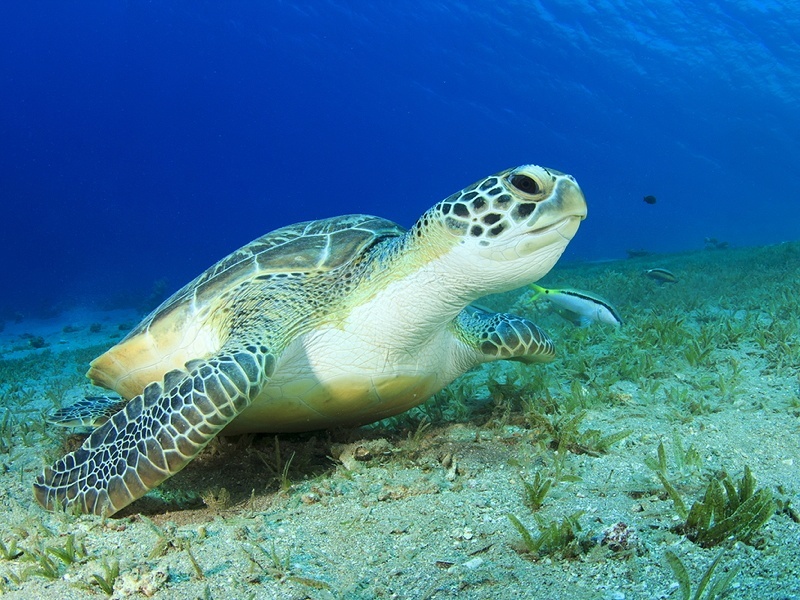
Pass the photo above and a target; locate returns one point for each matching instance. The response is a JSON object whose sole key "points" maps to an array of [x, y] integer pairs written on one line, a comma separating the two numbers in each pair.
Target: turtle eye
{"points": [[525, 184]]}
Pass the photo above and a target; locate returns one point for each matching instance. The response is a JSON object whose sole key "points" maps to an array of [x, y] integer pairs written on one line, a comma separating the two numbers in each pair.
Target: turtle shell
{"points": [[184, 327]]}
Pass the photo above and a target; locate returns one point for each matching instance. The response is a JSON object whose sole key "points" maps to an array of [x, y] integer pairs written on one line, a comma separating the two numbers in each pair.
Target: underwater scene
{"points": [[562, 361]]}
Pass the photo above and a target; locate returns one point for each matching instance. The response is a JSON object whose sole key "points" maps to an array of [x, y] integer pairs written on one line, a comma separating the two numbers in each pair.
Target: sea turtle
{"points": [[341, 321]]}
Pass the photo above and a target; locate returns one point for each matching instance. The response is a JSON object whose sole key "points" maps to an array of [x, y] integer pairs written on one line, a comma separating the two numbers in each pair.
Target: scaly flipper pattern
{"points": [[92, 411], [156, 434], [503, 336]]}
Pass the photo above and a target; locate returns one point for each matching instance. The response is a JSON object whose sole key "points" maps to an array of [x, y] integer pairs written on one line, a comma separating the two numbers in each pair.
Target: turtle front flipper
{"points": [[503, 336], [157, 433]]}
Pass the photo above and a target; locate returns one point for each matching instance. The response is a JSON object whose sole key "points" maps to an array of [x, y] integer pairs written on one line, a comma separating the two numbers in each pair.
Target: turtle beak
{"points": [[569, 227], [569, 199], [563, 211]]}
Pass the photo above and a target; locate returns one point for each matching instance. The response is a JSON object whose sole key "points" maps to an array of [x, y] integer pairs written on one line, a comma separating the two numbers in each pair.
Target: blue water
{"points": [[145, 140]]}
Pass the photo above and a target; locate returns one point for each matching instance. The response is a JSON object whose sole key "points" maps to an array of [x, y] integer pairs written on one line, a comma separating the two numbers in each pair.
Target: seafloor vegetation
{"points": [[656, 460]]}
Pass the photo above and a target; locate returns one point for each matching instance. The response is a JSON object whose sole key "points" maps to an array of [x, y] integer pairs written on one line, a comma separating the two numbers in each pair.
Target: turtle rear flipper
{"points": [[92, 411], [157, 433]]}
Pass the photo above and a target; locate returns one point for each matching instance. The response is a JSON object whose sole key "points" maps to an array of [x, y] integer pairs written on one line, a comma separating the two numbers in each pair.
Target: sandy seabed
{"points": [[417, 507]]}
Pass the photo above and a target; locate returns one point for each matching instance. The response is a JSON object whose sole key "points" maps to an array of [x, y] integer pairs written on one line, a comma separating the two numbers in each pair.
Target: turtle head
{"points": [[509, 229]]}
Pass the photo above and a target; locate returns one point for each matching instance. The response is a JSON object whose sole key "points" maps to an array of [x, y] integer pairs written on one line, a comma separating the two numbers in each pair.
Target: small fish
{"points": [[650, 199], [578, 307], [637, 252], [661, 275], [715, 244]]}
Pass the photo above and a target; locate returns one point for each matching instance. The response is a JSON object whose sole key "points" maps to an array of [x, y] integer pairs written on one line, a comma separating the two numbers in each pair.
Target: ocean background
{"points": [[140, 142], [143, 141]]}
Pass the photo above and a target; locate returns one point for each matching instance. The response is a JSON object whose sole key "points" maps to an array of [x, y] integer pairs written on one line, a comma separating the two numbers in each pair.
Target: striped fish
{"points": [[661, 275], [578, 307]]}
